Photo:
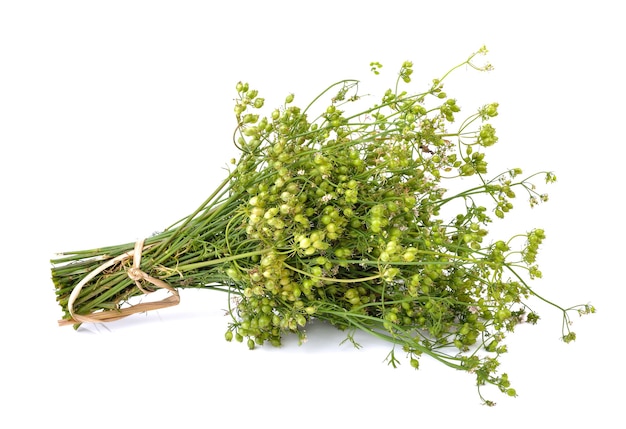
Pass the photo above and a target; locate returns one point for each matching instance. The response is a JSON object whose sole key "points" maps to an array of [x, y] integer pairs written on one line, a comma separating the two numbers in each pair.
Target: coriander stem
{"points": [[218, 261]]}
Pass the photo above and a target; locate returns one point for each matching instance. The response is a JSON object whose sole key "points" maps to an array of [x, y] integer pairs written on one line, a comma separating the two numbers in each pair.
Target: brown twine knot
{"points": [[137, 275]]}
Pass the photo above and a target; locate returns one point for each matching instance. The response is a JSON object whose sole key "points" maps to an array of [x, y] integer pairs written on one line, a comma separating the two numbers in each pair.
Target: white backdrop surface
{"points": [[98, 96]]}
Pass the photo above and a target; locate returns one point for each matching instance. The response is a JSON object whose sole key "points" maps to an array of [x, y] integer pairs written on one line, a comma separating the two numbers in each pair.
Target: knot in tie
{"points": [[136, 274]]}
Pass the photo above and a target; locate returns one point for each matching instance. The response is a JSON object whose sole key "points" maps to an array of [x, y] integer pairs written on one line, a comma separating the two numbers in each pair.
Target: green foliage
{"points": [[335, 213]]}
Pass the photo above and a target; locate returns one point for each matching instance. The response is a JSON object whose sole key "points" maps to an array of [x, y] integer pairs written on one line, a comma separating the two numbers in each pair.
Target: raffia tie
{"points": [[137, 275]]}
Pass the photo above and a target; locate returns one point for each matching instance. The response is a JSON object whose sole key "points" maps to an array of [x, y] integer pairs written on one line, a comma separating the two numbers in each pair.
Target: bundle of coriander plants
{"points": [[342, 213]]}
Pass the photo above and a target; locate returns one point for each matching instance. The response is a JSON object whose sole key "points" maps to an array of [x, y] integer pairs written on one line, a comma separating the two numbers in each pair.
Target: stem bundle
{"points": [[339, 218]]}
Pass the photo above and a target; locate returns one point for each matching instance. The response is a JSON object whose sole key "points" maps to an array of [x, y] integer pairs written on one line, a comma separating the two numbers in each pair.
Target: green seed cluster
{"points": [[346, 207]]}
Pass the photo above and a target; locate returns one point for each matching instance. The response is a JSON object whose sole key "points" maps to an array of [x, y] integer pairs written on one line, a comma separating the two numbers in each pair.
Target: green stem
{"points": [[331, 279], [204, 264]]}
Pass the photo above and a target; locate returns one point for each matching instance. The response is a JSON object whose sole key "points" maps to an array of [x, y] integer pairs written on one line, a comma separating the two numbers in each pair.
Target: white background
{"points": [[116, 120]]}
